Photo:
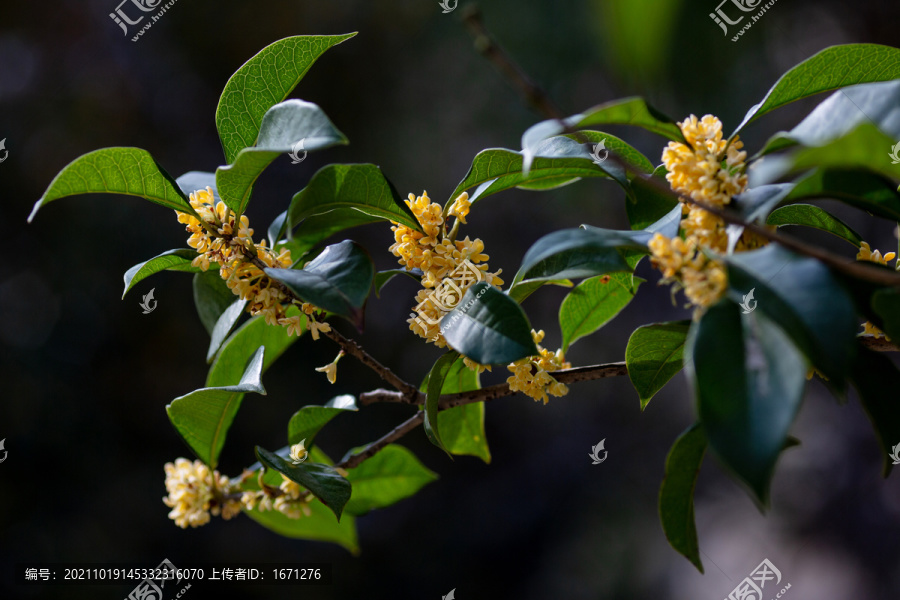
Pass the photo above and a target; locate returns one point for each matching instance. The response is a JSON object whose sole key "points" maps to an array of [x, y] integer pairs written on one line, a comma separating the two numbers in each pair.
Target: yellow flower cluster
{"points": [[709, 170], [195, 492], [866, 253], [217, 238], [293, 502], [531, 375], [449, 266]]}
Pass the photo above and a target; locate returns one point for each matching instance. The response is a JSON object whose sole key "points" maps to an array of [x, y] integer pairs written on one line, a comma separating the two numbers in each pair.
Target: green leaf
{"points": [[676, 494], [283, 126], [805, 299], [243, 343], [646, 204], [843, 111], [385, 479], [321, 525], [323, 481], [212, 297], [876, 380], [360, 187], [859, 188], [262, 82], [830, 69], [559, 161], [320, 227], [813, 216], [521, 290], [338, 280], [436, 378], [654, 355], [307, 421], [489, 327], [203, 417], [756, 203], [748, 380], [576, 253], [594, 303], [173, 260], [886, 304], [382, 277], [627, 111], [226, 322], [126, 171]]}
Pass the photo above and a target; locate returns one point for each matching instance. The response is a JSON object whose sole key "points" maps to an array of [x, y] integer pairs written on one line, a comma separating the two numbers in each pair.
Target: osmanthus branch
{"points": [[536, 97]]}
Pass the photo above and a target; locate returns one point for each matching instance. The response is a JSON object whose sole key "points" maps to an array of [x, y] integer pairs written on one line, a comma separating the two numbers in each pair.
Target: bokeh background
{"points": [[85, 376]]}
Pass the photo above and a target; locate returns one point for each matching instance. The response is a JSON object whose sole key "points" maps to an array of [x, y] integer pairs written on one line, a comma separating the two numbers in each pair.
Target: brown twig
{"points": [[375, 447]]}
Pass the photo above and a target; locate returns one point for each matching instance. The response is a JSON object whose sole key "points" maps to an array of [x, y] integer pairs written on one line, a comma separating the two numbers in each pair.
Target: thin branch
{"points": [[375, 447], [878, 344]]}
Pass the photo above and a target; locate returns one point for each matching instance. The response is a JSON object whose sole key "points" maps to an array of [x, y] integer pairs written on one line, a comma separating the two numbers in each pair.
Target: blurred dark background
{"points": [[86, 375]]}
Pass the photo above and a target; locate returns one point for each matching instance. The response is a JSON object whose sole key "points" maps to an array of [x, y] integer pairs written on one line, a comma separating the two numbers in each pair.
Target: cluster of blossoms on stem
{"points": [[875, 256], [219, 239], [195, 492], [531, 375], [711, 171], [450, 267]]}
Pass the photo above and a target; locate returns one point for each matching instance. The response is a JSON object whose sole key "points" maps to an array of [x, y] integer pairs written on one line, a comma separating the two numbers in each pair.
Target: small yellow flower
{"points": [[330, 369], [531, 375], [299, 453], [866, 253], [460, 207], [192, 493]]}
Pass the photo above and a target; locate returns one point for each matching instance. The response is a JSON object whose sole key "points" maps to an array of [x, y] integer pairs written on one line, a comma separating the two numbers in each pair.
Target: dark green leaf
{"points": [[676, 494], [654, 355], [307, 421], [748, 380], [323, 481], [360, 187], [243, 343], [489, 327], [211, 297], [262, 82], [627, 111], [843, 111], [521, 290], [226, 322], [594, 303], [203, 417], [285, 125], [577, 253], [436, 378], [385, 479], [338, 280], [859, 188], [320, 227], [802, 296], [126, 171], [173, 260], [813, 216], [830, 69], [886, 303], [646, 204], [877, 380], [756, 203]]}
